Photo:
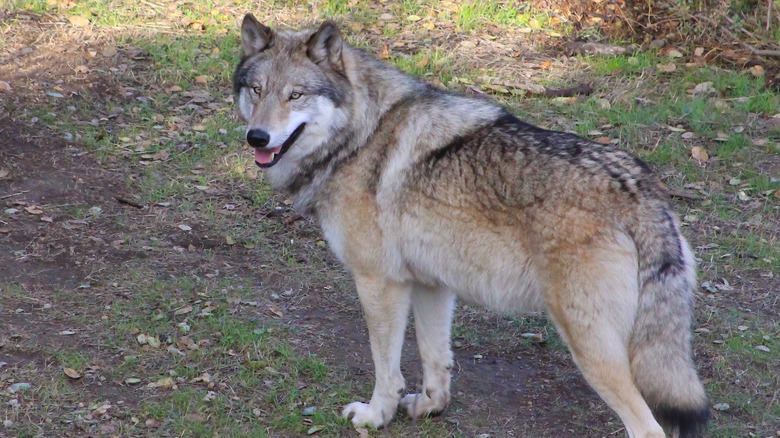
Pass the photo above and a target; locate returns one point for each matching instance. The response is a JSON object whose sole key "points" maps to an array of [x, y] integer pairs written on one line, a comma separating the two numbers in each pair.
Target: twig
{"points": [[752, 49], [582, 48], [129, 202], [584, 89], [684, 195], [14, 194]]}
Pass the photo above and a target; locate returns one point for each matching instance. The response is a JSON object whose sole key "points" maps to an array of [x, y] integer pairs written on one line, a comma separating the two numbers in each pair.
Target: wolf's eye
{"points": [[295, 95], [257, 90]]}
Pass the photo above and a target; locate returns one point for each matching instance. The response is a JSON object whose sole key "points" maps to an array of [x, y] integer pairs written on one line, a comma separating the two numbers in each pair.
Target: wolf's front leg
{"points": [[432, 321], [386, 308]]}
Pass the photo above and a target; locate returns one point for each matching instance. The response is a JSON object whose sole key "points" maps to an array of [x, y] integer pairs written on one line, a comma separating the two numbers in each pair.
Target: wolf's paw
{"points": [[421, 405], [364, 414]]}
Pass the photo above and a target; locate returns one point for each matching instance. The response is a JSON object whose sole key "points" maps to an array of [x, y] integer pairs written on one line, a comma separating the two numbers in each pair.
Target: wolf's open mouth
{"points": [[266, 158]]}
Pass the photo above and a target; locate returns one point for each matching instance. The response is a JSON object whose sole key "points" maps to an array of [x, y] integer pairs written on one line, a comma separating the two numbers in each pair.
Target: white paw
{"points": [[363, 414], [419, 405]]}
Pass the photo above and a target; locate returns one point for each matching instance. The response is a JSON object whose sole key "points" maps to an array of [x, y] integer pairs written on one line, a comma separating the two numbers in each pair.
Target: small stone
{"points": [[16, 387], [657, 44]]}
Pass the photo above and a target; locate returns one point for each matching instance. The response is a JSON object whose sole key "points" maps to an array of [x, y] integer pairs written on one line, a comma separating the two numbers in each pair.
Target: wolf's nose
{"points": [[257, 138]]}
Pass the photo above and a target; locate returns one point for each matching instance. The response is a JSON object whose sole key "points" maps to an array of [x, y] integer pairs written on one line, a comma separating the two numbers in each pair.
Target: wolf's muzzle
{"points": [[257, 138]]}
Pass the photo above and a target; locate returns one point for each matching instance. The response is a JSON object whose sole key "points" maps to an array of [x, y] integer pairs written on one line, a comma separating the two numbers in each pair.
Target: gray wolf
{"points": [[426, 195]]}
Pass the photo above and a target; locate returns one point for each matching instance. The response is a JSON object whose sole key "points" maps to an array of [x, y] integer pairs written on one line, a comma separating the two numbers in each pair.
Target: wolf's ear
{"points": [[255, 37], [325, 45]]}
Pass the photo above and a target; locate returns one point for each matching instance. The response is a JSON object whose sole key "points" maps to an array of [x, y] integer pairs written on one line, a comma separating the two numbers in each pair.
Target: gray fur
{"points": [[426, 194]]}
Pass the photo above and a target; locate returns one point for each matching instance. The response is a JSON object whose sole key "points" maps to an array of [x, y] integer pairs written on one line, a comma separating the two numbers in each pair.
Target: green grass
{"points": [[476, 14], [12, 290]]}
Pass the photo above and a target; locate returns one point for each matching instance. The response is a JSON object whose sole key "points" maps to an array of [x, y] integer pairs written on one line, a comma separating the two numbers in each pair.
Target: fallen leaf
{"points": [[4, 86], [314, 429], [153, 341], [603, 103], [78, 20], [757, 71], [762, 348], [185, 227], [205, 378], [182, 310], [70, 372], [33, 209], [721, 406], [102, 409], [202, 79], [703, 88], [108, 51], [161, 155], [674, 53], [164, 383], [414, 18], [132, 381], [536, 337], [700, 154], [667, 68]]}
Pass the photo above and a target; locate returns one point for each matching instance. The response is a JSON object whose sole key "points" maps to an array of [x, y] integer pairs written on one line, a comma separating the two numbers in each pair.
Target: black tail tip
{"points": [[687, 422]]}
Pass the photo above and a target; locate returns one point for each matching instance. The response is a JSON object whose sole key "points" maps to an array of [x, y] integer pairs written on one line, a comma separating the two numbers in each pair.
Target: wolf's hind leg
{"points": [[432, 310], [592, 297], [386, 309]]}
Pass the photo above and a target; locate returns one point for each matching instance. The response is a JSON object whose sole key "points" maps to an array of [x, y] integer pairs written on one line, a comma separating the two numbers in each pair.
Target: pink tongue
{"points": [[264, 156]]}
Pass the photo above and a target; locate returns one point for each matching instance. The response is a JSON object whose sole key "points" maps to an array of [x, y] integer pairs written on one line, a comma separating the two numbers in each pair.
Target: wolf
{"points": [[427, 195]]}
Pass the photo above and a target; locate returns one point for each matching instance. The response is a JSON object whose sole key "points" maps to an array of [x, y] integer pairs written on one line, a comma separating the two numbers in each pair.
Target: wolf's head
{"points": [[292, 90]]}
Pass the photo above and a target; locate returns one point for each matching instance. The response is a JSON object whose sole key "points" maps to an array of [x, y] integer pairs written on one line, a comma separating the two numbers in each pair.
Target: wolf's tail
{"points": [[660, 346]]}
